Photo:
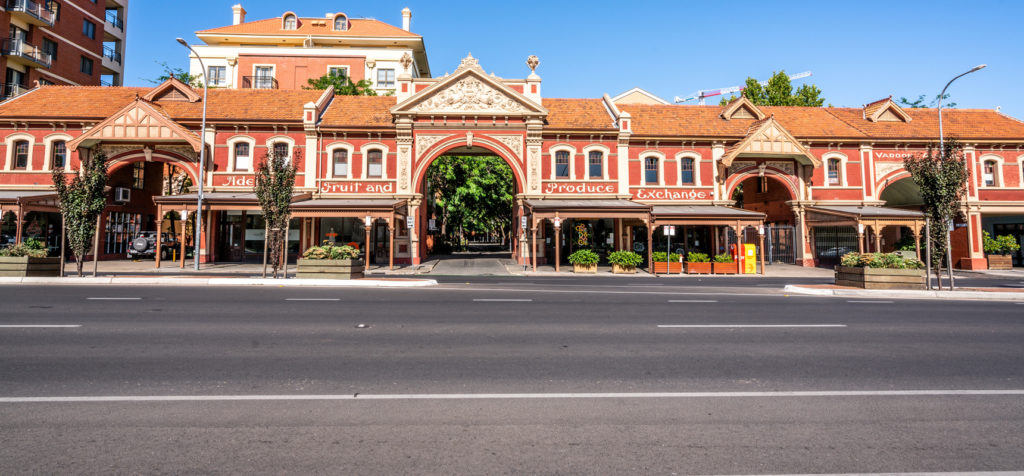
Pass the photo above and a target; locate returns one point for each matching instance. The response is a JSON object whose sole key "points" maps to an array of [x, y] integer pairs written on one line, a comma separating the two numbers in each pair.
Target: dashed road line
{"points": [[737, 326]]}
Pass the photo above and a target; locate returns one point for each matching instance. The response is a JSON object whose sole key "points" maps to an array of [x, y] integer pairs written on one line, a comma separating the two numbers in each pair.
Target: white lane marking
{"points": [[691, 300], [870, 302], [645, 285], [712, 326], [960, 473], [34, 326], [503, 300], [114, 299], [516, 396], [312, 299]]}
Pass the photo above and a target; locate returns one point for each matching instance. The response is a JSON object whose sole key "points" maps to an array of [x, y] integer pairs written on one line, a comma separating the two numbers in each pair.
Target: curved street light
{"points": [[202, 158], [942, 150]]}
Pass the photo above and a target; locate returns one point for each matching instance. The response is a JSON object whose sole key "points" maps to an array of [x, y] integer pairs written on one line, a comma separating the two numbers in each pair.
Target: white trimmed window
{"points": [[21, 154], [374, 164], [218, 76], [59, 154], [562, 164], [339, 163], [340, 23], [990, 173], [386, 78], [687, 171], [243, 157], [290, 22], [835, 176], [338, 71], [651, 172], [595, 164]]}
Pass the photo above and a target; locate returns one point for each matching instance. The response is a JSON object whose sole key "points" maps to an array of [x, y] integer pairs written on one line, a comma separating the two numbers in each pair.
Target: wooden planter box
{"points": [[673, 267], [330, 269], [726, 268], [1004, 262], [698, 268], [584, 268], [23, 266], [880, 278], [617, 269]]}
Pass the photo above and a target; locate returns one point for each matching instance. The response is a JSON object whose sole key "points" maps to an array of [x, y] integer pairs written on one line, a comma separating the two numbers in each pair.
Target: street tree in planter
{"points": [[81, 203], [624, 261], [584, 261], [942, 177], [999, 250], [275, 183]]}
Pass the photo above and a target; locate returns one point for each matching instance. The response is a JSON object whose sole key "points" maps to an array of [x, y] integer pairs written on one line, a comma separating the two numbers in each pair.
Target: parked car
{"points": [[835, 252], [144, 246]]}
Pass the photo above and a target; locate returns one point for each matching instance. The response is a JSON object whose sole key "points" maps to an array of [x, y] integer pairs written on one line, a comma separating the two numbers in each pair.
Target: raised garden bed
{"points": [[880, 278], [619, 269], [330, 269], [1003, 262], [584, 268], [661, 267], [25, 266], [698, 268], [726, 268]]}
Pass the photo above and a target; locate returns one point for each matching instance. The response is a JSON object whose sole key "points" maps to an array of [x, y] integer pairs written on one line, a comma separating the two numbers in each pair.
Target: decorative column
{"points": [[414, 233], [558, 235], [391, 242], [860, 237], [917, 240]]}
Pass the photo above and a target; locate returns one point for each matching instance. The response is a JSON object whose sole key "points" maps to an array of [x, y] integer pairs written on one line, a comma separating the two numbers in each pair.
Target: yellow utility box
{"points": [[749, 259]]}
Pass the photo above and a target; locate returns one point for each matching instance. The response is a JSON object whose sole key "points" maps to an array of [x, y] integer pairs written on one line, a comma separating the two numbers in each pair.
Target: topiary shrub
{"points": [[584, 257], [659, 257], [880, 260], [625, 259], [328, 251], [694, 257], [723, 258]]}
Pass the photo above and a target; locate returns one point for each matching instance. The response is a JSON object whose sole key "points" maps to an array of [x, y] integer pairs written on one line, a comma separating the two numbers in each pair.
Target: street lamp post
{"points": [[202, 158], [942, 150]]}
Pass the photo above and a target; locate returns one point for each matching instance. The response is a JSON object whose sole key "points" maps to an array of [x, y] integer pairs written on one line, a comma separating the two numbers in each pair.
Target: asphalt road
{"points": [[548, 376]]}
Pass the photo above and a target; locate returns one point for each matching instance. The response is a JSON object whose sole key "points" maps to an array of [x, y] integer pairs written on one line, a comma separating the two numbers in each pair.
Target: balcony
{"points": [[19, 51], [114, 20], [112, 54], [30, 12], [11, 90], [258, 82]]}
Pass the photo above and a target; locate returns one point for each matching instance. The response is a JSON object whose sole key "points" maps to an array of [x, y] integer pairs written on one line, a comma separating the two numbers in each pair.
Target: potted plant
{"points": [[880, 271], [674, 265], [698, 263], [724, 264], [28, 258], [329, 261], [624, 261], [584, 261], [999, 249]]}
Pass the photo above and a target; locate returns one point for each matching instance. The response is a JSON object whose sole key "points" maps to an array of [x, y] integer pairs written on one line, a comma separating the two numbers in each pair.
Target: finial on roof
{"points": [[469, 62]]}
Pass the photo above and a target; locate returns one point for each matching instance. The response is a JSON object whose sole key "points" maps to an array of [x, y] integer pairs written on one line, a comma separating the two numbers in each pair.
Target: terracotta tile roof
{"points": [[86, 102], [359, 111], [873, 107], [358, 27], [974, 124], [586, 114]]}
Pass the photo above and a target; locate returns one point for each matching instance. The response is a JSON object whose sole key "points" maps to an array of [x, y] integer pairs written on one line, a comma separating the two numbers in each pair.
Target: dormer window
{"points": [[290, 22], [340, 23]]}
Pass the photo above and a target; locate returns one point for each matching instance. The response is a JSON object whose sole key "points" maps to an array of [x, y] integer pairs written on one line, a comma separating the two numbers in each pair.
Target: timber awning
{"points": [[28, 200], [867, 215], [217, 201], [705, 215], [349, 208], [541, 209]]}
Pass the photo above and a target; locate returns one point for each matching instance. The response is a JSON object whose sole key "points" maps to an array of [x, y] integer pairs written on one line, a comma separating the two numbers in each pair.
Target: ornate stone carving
{"points": [[468, 62], [738, 165], [885, 168], [405, 61], [424, 142], [470, 95], [403, 172], [534, 165], [533, 61], [512, 142], [783, 166]]}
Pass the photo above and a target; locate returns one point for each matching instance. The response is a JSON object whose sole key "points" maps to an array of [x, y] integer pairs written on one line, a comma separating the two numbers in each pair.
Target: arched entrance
{"points": [[768, 194], [469, 204]]}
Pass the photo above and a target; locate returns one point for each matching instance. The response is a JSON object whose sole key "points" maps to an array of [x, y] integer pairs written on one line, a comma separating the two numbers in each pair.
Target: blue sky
{"points": [[858, 51]]}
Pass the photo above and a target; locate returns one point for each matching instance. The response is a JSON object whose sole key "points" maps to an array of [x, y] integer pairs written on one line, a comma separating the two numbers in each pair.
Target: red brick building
{"points": [[588, 172], [69, 42]]}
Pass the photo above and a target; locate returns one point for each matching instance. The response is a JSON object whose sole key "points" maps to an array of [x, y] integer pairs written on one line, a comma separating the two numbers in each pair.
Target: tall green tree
{"points": [[275, 183], [920, 102], [195, 81], [342, 84], [942, 176], [471, 195], [81, 203], [779, 92]]}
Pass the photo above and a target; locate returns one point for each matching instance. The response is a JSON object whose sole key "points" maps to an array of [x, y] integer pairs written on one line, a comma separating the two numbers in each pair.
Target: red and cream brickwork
{"points": [[787, 159]]}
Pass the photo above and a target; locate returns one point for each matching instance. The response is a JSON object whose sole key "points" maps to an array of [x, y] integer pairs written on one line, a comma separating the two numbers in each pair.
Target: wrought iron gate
{"points": [[832, 242], [778, 242]]}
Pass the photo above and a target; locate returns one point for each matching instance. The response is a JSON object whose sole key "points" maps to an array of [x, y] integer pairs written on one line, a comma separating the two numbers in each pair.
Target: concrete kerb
{"points": [[906, 294], [169, 281]]}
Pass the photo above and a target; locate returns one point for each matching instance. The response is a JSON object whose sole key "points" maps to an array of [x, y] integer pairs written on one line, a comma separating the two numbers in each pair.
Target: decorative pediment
{"points": [[172, 90], [469, 91], [885, 110], [138, 121], [767, 138], [742, 108]]}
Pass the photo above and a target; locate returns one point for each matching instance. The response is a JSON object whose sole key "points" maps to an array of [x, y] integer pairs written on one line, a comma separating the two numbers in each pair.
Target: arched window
{"points": [[339, 161], [990, 173], [340, 23], [651, 171], [281, 150], [562, 164], [59, 154], [834, 174], [596, 164], [243, 157], [290, 23], [21, 155], [686, 171], [374, 164]]}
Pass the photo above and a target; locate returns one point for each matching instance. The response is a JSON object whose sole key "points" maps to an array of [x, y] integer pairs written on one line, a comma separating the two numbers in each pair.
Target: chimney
{"points": [[406, 18], [239, 14]]}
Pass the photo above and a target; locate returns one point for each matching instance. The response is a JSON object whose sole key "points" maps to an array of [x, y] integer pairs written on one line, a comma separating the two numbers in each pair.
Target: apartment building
{"points": [[69, 42], [284, 52]]}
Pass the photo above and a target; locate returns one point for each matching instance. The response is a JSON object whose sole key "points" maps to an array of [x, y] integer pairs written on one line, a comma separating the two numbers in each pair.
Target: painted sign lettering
{"points": [[558, 187], [357, 187], [666, 194], [236, 181], [893, 155]]}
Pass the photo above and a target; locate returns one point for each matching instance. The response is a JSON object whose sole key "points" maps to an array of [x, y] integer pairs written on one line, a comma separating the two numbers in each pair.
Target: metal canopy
{"points": [[705, 215]]}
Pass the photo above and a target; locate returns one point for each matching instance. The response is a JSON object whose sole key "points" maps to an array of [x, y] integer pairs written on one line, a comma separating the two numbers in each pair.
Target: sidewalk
{"points": [[975, 294], [771, 271], [193, 280]]}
